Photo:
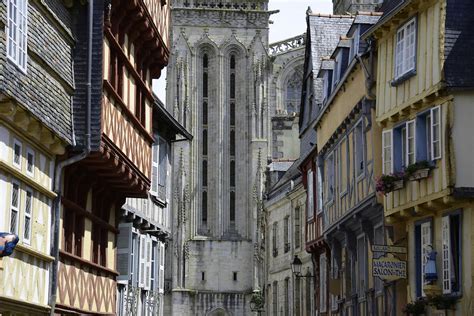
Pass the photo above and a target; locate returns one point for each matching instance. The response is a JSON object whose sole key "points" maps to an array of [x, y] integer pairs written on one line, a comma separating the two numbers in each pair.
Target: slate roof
{"points": [[291, 174], [459, 39], [324, 32]]}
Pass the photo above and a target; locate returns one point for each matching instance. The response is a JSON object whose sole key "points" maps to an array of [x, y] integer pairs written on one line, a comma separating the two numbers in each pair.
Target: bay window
{"points": [[310, 205]]}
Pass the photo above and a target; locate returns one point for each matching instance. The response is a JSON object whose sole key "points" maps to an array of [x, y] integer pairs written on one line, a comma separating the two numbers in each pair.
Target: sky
{"points": [[290, 22]]}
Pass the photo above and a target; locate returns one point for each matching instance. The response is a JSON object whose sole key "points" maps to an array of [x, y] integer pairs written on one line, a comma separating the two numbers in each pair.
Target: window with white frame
{"points": [[154, 265], [337, 69], [410, 154], [275, 239], [451, 253], [322, 283], [14, 207], [142, 262], [159, 170], [17, 151], [435, 137], [297, 231], [286, 234], [17, 32], [330, 176], [359, 149], [325, 86], [319, 189], [161, 275], [423, 244], [154, 169], [27, 215], [310, 204], [412, 141], [387, 151], [133, 259], [30, 162], [343, 165], [405, 49], [355, 43]]}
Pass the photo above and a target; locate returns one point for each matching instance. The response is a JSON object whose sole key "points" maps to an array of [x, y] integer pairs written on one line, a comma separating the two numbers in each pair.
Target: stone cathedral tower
{"points": [[218, 89]]}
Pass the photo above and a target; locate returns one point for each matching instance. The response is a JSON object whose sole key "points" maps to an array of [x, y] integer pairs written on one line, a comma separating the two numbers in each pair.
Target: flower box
{"points": [[419, 174], [389, 183], [397, 185]]}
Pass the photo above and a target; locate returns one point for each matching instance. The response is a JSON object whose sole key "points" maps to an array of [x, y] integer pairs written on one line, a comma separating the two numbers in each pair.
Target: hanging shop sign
{"points": [[389, 269], [389, 249]]}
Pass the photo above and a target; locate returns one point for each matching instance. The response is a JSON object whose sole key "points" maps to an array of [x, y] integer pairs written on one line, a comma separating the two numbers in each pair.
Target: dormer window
{"points": [[405, 49], [337, 69], [326, 91], [355, 43]]}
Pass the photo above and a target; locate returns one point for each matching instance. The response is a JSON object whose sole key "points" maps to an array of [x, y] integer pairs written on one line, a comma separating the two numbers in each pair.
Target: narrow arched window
{"points": [[232, 142], [204, 207], [204, 142], [232, 132], [232, 173], [232, 207], [205, 85], [204, 113], [204, 173], [232, 114]]}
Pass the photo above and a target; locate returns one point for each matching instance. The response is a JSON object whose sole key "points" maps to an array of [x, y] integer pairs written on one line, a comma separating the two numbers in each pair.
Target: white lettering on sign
{"points": [[389, 269]]}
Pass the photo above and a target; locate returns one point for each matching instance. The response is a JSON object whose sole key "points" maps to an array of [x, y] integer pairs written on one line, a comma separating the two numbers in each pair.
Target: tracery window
{"points": [[293, 91]]}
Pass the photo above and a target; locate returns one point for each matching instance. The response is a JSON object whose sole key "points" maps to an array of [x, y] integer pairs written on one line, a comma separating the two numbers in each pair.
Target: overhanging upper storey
{"points": [[146, 24]]}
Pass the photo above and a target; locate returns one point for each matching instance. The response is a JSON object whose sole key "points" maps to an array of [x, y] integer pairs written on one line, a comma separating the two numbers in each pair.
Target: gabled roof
{"points": [[162, 116]]}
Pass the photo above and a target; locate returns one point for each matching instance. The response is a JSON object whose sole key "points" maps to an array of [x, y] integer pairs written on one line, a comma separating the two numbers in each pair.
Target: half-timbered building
{"points": [[143, 244], [121, 46], [347, 140], [36, 86], [323, 33], [424, 105]]}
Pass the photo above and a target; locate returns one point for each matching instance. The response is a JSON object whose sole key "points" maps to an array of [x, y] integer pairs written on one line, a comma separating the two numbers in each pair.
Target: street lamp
{"points": [[296, 266]]}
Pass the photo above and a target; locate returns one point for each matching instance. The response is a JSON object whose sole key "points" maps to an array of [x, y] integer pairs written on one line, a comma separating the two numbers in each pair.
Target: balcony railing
{"points": [[223, 4], [288, 44]]}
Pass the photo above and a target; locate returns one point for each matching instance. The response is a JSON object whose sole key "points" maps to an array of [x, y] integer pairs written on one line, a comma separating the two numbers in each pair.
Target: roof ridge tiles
{"points": [[335, 16]]}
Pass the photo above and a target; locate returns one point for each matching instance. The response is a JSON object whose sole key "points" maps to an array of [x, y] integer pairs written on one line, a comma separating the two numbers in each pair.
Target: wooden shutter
{"points": [[142, 262], [446, 255], [154, 169], [163, 165], [148, 250], [124, 248], [425, 242], [161, 273], [387, 151]]}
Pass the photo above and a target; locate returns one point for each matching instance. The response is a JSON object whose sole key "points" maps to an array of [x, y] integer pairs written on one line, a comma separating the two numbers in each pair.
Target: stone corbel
{"points": [[7, 107]]}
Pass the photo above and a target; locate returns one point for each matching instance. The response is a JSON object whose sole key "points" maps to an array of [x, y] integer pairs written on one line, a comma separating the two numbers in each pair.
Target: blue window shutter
{"points": [[397, 149], [421, 141], [418, 259]]}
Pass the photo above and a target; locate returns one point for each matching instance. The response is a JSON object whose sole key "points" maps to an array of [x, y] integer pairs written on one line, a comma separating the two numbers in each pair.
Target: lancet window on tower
{"points": [[205, 149], [232, 168]]}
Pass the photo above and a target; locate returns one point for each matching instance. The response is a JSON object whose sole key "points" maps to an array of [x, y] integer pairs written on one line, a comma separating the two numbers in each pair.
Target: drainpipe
{"points": [[60, 167]]}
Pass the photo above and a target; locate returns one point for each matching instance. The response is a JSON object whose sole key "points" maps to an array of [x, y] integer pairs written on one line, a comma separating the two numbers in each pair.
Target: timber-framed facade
{"points": [[129, 49]]}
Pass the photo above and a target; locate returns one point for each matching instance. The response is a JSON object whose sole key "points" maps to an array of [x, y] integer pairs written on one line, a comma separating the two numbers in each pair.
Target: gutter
{"points": [[60, 167]]}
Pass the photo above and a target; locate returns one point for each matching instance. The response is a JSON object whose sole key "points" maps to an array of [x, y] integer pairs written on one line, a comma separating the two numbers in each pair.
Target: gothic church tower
{"points": [[218, 89]]}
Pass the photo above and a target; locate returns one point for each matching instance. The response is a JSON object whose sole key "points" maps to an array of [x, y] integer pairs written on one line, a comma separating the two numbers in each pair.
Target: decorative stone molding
{"points": [[288, 44]]}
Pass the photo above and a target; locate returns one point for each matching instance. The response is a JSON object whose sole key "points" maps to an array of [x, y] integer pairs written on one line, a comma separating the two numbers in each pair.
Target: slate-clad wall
{"points": [[80, 76], [459, 38], [45, 89]]}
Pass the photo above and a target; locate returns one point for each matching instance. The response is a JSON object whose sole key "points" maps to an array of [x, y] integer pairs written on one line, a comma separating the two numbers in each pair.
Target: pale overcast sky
{"points": [[291, 21]]}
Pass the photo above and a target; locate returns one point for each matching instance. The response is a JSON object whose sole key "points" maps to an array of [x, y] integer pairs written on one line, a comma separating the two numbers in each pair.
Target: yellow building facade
{"points": [[423, 101], [27, 155]]}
